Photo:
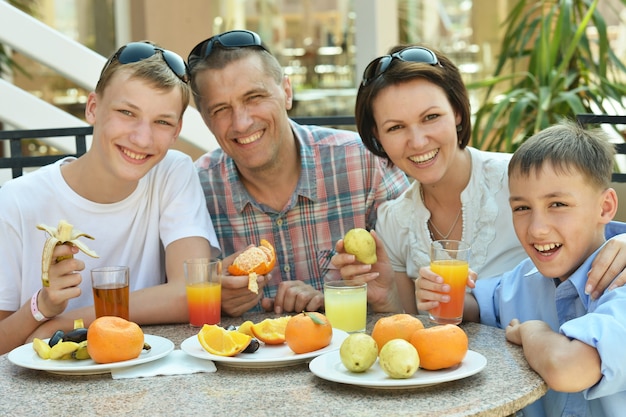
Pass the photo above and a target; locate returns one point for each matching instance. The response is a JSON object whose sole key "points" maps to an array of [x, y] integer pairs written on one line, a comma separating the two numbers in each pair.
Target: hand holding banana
{"points": [[63, 234]]}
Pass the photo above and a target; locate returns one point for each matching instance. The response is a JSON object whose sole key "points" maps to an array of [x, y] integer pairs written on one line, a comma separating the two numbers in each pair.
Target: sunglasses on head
{"points": [[228, 40], [138, 51], [411, 54]]}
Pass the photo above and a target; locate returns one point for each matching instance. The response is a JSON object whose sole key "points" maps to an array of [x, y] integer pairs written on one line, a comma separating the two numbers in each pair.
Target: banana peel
{"points": [[63, 234]]}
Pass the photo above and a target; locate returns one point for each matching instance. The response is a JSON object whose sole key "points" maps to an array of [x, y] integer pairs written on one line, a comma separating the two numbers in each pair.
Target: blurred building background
{"points": [[323, 45]]}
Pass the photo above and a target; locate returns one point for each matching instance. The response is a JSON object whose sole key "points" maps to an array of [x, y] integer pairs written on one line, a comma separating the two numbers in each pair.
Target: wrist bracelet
{"points": [[34, 309]]}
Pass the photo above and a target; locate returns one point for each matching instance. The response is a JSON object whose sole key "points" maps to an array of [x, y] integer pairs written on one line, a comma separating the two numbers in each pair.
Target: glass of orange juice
{"points": [[450, 260], [345, 304], [110, 285], [203, 279]]}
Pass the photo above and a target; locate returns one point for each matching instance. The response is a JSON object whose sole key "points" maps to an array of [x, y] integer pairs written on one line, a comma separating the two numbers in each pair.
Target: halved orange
{"points": [[271, 331], [219, 341]]}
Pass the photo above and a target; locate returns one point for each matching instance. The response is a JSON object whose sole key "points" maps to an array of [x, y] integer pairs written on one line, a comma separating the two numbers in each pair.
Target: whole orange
{"points": [[307, 332], [114, 339], [440, 347], [398, 326]]}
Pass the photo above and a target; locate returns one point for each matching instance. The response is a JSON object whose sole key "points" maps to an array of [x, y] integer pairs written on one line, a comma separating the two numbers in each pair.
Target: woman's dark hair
{"points": [[445, 75]]}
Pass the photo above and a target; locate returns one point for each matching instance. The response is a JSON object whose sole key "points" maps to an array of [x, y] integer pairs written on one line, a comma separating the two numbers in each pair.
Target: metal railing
{"points": [[17, 161], [620, 148]]}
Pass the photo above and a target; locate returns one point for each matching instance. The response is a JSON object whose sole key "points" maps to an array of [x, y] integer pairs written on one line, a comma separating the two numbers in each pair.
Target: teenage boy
{"points": [[141, 202]]}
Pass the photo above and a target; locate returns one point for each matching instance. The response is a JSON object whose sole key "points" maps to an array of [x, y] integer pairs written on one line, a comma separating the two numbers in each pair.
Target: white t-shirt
{"points": [[168, 204], [487, 223]]}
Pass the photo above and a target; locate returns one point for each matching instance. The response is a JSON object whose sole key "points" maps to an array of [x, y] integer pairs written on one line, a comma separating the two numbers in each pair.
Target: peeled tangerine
{"points": [[252, 261], [399, 359], [360, 243], [358, 352]]}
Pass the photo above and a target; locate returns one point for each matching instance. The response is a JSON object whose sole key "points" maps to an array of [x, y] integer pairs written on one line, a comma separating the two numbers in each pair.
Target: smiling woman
{"points": [[414, 110]]}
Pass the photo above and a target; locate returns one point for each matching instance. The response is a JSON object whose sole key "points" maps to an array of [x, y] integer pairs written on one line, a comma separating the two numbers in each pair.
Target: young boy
{"points": [[141, 202], [561, 202]]}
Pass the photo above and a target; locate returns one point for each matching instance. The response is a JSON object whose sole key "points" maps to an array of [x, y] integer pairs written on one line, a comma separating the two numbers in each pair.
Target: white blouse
{"points": [[487, 224]]}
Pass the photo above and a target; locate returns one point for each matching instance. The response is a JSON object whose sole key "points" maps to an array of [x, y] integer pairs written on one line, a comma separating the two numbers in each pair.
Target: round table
{"points": [[505, 385]]}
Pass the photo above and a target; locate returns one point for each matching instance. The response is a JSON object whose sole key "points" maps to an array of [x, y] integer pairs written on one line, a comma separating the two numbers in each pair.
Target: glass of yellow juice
{"points": [[346, 305], [450, 260], [203, 279]]}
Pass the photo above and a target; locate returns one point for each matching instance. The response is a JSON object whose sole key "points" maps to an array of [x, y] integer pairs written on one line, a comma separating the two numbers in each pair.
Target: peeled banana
{"points": [[64, 233], [63, 350]]}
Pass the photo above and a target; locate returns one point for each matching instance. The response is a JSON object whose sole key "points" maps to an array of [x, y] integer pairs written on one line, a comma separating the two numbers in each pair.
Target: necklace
{"points": [[444, 237], [430, 222]]}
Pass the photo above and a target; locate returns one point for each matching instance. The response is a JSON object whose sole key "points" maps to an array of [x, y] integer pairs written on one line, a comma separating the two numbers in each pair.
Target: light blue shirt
{"points": [[525, 294]]}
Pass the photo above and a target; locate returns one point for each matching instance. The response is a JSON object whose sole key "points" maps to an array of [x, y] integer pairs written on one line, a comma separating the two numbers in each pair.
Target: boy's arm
{"points": [[567, 365], [165, 303]]}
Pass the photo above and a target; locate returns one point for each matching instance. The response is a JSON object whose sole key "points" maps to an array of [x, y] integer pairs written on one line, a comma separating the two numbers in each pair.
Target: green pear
{"points": [[399, 359], [358, 352], [360, 243]]}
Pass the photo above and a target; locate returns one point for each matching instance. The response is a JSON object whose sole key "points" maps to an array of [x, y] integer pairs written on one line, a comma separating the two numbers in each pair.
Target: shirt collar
{"points": [[307, 183]]}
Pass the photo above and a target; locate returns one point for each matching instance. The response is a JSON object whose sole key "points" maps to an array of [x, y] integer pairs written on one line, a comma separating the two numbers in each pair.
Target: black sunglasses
{"points": [[137, 51], [411, 54], [228, 40]]}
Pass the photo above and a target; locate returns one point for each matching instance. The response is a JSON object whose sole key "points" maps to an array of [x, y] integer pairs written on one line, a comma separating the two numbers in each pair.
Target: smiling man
{"points": [[140, 201], [300, 187]]}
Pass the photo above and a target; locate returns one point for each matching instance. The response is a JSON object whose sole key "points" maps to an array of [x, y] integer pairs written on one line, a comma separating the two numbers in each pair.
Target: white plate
{"points": [[26, 357], [267, 356], [329, 367]]}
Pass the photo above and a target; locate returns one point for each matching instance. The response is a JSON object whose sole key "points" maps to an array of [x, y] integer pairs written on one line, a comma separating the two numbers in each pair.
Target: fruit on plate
{"points": [[360, 243], [440, 347], [399, 359], [246, 328], [252, 261], [63, 234], [219, 341], [71, 345], [42, 348], [358, 352], [114, 339], [397, 326], [307, 332], [271, 331]]}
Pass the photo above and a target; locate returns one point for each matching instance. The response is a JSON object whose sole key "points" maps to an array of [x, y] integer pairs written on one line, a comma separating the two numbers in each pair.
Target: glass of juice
{"points": [[346, 305], [450, 260], [203, 278], [110, 285]]}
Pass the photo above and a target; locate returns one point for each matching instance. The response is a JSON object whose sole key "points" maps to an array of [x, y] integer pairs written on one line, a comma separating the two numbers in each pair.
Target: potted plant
{"points": [[549, 68]]}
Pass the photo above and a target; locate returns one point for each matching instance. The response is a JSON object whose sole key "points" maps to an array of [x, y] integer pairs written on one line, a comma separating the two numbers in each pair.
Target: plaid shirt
{"points": [[340, 187]]}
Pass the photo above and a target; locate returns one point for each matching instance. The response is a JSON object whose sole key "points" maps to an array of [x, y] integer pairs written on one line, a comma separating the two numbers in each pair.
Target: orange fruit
{"points": [[114, 339], [258, 259], [307, 332], [398, 326], [271, 331], [441, 346], [219, 341], [246, 328]]}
